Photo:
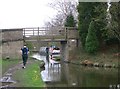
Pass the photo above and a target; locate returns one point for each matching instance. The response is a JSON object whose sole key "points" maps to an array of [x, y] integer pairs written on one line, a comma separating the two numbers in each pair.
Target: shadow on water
{"points": [[70, 75]]}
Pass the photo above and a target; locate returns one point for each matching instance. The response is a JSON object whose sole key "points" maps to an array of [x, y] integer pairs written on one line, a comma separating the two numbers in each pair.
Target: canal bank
{"points": [[107, 57]]}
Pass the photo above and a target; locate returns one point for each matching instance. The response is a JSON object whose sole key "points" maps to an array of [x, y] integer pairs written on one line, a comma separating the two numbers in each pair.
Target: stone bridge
{"points": [[13, 39], [66, 36]]}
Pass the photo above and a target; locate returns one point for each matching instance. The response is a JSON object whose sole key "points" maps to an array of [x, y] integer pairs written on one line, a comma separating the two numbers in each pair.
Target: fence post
{"points": [[33, 31], [38, 31], [38, 38], [66, 33], [24, 35]]}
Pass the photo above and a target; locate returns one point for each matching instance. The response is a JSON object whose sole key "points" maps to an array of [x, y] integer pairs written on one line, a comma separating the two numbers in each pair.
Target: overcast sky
{"points": [[24, 13], [27, 13]]}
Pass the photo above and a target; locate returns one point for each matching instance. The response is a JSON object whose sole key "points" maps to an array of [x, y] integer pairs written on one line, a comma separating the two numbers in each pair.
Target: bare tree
{"points": [[64, 8]]}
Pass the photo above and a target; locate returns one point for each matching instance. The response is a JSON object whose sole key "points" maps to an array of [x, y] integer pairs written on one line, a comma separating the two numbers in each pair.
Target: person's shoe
{"points": [[23, 67]]}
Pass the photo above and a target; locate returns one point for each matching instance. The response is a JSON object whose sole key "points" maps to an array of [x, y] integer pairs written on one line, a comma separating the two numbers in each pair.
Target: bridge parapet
{"points": [[62, 33], [12, 34]]}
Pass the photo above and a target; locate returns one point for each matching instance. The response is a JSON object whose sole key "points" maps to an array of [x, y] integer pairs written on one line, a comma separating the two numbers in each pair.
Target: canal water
{"points": [[71, 75]]}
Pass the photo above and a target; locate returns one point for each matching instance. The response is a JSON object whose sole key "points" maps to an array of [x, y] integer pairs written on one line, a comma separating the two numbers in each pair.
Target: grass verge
{"points": [[7, 63], [29, 77]]}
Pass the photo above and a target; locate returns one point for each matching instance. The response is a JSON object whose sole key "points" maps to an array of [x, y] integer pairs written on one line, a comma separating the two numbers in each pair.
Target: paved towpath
{"points": [[10, 71]]}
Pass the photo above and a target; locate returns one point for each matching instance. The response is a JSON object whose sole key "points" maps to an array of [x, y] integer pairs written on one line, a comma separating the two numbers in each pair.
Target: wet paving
{"points": [[71, 75], [7, 80]]}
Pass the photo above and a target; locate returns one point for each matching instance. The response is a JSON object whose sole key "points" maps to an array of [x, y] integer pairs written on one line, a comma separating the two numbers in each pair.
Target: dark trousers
{"points": [[24, 57], [47, 58]]}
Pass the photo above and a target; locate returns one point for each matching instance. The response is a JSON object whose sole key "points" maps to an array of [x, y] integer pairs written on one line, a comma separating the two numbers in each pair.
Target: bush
{"points": [[112, 41], [91, 44]]}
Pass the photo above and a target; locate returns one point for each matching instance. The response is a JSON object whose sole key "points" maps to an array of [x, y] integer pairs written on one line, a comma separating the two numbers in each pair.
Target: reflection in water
{"points": [[70, 75], [91, 77], [52, 73], [38, 57]]}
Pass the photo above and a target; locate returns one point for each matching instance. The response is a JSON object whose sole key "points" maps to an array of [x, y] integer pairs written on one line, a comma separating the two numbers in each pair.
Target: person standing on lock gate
{"points": [[47, 54], [25, 52]]}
